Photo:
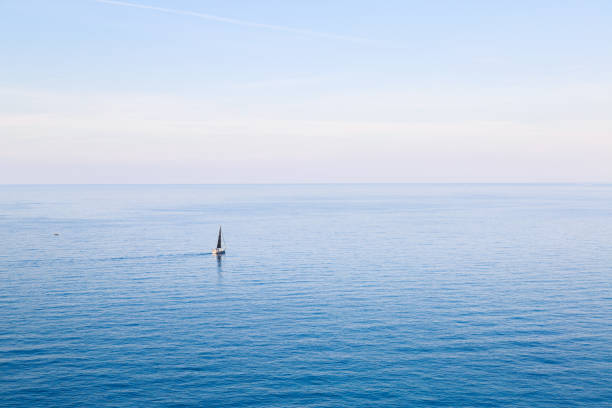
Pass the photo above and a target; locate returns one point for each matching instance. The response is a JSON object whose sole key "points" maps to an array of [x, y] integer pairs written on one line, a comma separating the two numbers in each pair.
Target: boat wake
{"points": [[74, 260]]}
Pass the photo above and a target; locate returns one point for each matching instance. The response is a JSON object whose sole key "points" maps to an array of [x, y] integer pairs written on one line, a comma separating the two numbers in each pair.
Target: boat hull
{"points": [[218, 251]]}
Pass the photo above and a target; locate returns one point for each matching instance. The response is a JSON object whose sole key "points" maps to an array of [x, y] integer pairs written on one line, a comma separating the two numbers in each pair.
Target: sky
{"points": [[318, 91]]}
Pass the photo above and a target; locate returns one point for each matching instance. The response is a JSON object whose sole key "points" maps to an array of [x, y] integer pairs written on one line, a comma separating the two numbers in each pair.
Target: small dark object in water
{"points": [[219, 249], [56, 234]]}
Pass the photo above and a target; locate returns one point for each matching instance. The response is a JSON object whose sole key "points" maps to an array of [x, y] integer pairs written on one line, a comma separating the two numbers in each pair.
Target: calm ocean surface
{"points": [[328, 296]]}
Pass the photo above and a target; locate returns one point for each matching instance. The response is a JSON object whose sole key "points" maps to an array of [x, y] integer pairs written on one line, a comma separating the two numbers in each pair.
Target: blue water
{"points": [[328, 296]]}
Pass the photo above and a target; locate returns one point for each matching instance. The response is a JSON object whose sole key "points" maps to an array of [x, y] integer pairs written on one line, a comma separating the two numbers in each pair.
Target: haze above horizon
{"points": [[185, 91]]}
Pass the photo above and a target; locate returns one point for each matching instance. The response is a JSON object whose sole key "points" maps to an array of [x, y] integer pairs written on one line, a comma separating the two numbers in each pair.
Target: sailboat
{"points": [[219, 249]]}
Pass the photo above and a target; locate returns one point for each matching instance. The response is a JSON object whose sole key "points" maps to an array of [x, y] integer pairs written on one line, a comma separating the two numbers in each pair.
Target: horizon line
{"points": [[324, 183]]}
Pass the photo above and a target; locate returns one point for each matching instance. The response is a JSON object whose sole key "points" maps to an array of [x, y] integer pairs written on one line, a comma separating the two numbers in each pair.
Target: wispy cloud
{"points": [[244, 23]]}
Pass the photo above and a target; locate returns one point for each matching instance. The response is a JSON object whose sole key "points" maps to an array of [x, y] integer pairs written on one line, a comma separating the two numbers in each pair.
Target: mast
{"points": [[219, 239]]}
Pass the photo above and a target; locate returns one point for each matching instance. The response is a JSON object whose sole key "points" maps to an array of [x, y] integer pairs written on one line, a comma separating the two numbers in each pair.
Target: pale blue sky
{"points": [[191, 91]]}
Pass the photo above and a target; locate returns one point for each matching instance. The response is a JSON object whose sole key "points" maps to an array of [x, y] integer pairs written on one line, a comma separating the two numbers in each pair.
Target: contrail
{"points": [[234, 21]]}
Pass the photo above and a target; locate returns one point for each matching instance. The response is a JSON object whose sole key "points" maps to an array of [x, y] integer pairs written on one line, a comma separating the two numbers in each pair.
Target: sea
{"points": [[330, 295]]}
